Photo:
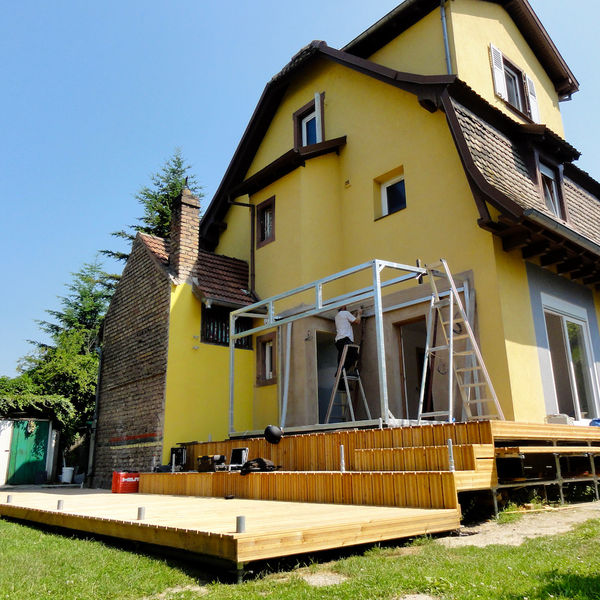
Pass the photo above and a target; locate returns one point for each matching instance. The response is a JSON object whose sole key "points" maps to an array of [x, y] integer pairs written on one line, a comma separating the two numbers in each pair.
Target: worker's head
{"points": [[342, 308]]}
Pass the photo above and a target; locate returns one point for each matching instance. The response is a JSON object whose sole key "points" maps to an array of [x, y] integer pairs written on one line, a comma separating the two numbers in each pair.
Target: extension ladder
{"points": [[465, 366], [350, 375]]}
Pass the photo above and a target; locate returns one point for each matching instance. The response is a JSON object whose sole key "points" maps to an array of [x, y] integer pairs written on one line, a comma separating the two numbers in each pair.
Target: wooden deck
{"points": [[207, 526], [397, 482]]}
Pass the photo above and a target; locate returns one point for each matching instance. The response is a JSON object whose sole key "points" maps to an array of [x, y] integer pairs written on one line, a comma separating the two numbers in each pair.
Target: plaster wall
{"points": [[474, 25]]}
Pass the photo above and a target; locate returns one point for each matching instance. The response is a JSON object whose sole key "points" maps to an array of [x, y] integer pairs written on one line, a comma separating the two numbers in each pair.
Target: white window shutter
{"points": [[318, 117], [533, 103], [498, 72]]}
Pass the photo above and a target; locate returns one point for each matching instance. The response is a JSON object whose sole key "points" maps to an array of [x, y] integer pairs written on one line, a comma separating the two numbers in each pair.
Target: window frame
{"points": [[527, 105], [268, 204], [384, 185], [569, 312], [549, 169], [303, 115], [262, 376], [222, 320]]}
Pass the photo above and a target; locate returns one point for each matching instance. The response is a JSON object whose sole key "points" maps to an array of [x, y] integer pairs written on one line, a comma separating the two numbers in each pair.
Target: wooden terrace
{"points": [[394, 483]]}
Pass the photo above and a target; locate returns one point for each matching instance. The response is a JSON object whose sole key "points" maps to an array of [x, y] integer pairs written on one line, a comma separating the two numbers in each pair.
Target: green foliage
{"points": [[157, 201]]}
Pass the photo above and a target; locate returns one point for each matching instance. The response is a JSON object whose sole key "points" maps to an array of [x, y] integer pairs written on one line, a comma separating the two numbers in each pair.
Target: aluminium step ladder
{"points": [[351, 375], [465, 368]]}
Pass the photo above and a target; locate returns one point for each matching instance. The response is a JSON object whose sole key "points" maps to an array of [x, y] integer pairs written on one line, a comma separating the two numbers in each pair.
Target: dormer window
{"points": [[308, 123], [514, 86], [549, 179]]}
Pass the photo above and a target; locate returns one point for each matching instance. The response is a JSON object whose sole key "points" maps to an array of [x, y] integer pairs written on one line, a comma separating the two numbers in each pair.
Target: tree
{"points": [[157, 201], [83, 309]]}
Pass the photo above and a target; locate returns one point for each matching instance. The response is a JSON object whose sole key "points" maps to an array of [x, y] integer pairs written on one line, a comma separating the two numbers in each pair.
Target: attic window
{"points": [[514, 86], [550, 179], [308, 123]]}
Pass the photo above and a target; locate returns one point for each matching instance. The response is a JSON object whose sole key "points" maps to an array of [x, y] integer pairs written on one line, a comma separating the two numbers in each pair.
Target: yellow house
{"points": [[435, 133]]}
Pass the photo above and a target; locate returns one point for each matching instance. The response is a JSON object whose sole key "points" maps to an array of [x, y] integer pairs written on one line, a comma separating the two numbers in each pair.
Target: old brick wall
{"points": [[134, 366]]}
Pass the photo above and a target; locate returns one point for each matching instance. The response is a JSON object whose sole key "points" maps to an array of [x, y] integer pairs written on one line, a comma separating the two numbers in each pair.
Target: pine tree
{"points": [[157, 201]]}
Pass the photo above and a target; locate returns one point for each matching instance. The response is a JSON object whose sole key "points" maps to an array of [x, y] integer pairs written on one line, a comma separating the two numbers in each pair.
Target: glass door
{"points": [[571, 366]]}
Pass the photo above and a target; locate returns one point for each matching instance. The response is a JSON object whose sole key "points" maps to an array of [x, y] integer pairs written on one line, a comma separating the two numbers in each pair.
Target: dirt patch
{"points": [[535, 524], [173, 593], [323, 578]]}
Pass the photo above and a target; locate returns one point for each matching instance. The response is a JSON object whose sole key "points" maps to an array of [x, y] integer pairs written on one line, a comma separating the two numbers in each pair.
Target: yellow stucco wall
{"points": [[197, 403], [420, 49], [325, 219], [474, 25], [235, 240]]}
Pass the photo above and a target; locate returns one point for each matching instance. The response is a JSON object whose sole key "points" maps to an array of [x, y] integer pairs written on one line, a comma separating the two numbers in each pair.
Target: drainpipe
{"points": [[252, 268], [90, 466], [445, 31]]}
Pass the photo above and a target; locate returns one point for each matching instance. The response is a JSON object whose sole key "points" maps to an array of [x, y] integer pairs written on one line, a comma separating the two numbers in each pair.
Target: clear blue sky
{"points": [[97, 95]]}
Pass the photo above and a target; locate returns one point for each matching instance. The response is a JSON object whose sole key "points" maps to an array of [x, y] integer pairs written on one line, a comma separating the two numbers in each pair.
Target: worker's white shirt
{"points": [[343, 325]]}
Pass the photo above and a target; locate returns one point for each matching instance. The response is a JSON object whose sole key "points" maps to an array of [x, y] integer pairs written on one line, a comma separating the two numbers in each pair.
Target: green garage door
{"points": [[28, 451]]}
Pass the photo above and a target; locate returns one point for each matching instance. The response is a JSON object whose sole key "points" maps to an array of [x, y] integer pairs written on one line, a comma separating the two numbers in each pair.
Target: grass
{"points": [[36, 564]]}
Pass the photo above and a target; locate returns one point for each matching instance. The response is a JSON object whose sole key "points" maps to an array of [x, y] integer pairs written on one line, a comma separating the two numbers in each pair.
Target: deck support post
{"points": [[495, 501], [559, 479], [9, 499], [594, 474], [60, 504], [141, 513], [450, 456], [342, 461], [240, 524]]}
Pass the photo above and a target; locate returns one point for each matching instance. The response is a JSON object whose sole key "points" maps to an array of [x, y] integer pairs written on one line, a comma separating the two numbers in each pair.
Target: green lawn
{"points": [[37, 564]]}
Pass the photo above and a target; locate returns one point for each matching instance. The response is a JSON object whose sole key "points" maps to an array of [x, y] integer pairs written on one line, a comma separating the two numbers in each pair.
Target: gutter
{"points": [[445, 33], [539, 217]]}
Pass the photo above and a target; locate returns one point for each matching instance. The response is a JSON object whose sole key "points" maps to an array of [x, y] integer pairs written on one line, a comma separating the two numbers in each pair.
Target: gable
{"points": [[481, 28]]}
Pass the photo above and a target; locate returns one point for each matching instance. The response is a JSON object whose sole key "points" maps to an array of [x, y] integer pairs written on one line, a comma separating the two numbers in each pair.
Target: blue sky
{"points": [[97, 95]]}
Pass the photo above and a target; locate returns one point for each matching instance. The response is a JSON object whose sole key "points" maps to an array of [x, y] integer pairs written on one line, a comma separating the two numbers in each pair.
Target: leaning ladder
{"points": [[465, 368], [346, 401]]}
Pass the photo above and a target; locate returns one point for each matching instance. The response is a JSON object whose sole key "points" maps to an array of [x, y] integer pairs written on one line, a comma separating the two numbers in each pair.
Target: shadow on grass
{"points": [[565, 585]]}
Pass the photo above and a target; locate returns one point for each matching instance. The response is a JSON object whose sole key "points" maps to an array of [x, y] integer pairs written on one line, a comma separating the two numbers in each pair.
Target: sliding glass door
{"points": [[572, 368]]}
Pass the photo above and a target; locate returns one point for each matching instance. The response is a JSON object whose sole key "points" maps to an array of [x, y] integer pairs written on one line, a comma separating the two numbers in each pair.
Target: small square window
{"points": [[265, 222], [215, 327], [266, 373], [550, 189], [308, 123], [393, 196]]}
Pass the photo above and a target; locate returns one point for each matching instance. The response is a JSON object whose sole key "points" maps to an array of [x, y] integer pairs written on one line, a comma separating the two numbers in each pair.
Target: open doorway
{"points": [[326, 369], [412, 337]]}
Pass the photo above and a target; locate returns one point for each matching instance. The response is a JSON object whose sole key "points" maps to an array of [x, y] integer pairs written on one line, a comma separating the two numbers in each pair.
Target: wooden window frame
{"points": [[543, 162], [301, 114], [261, 375], [529, 108], [269, 203]]}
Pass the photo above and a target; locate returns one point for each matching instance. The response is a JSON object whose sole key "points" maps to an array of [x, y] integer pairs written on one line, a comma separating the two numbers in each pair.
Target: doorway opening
{"points": [[412, 336]]}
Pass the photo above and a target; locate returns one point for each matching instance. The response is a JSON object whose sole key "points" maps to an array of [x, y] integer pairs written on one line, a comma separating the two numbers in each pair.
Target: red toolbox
{"points": [[125, 483]]}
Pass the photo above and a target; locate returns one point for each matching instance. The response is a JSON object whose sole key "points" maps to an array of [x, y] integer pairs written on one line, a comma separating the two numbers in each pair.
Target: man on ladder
{"points": [[343, 332]]}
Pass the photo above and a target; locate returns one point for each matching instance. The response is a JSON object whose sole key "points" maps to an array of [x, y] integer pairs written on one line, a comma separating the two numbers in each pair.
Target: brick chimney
{"points": [[185, 231]]}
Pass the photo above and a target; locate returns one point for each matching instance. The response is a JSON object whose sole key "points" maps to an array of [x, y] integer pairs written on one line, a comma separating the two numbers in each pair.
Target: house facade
{"points": [[436, 133]]}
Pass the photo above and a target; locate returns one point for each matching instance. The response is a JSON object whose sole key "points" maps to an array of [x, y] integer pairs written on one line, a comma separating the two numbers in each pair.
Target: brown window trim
{"points": [[261, 379], [268, 203], [558, 169], [303, 112]]}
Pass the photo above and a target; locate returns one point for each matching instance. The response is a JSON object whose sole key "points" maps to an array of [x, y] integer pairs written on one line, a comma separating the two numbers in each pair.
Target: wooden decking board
{"points": [[510, 430], [518, 450], [207, 525]]}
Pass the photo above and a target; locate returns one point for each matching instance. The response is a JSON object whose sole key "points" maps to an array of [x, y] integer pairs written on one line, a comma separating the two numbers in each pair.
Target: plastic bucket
{"points": [[67, 474]]}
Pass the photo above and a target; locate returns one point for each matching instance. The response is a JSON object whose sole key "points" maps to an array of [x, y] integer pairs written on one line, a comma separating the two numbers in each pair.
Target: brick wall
{"points": [[134, 367], [183, 250]]}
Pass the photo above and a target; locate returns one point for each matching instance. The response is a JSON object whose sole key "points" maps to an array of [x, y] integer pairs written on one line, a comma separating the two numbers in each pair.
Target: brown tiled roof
{"points": [[219, 278], [502, 163], [222, 278], [158, 246]]}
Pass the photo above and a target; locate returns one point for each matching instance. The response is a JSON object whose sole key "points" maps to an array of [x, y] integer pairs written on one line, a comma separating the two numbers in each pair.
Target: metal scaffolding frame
{"points": [[265, 310]]}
